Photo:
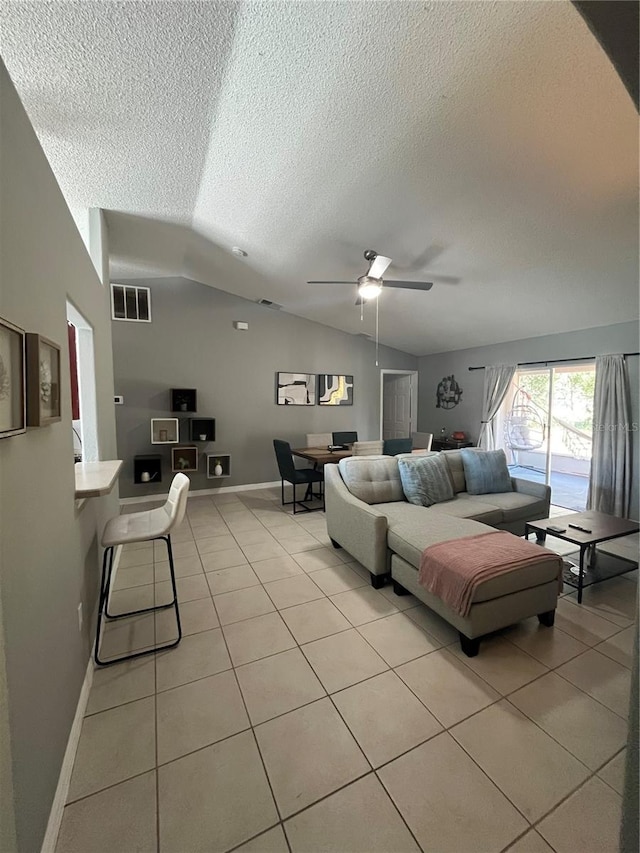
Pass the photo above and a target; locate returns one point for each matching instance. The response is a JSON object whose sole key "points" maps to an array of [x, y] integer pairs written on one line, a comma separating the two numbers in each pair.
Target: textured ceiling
{"points": [[488, 143]]}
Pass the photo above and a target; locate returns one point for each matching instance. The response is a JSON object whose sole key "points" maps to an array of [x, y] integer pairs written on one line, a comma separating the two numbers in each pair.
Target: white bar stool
{"points": [[141, 527]]}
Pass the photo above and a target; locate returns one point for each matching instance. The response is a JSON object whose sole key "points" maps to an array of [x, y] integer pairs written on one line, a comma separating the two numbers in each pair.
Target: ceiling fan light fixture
{"points": [[369, 288]]}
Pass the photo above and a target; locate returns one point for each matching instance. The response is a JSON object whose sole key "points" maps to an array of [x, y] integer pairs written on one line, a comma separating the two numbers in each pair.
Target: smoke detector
{"points": [[238, 252]]}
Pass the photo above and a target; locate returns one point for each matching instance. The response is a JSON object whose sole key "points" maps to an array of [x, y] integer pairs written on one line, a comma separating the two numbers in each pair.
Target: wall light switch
{"points": [[118, 400], [238, 324]]}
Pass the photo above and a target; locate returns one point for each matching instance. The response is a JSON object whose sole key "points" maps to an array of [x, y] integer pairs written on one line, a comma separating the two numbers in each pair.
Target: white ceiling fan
{"points": [[371, 284]]}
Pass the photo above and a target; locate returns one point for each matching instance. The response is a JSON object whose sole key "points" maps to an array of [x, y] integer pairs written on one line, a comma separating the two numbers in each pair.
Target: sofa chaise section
{"points": [[368, 515]]}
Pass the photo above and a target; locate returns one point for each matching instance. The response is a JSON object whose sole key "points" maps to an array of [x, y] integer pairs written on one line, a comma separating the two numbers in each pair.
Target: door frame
{"points": [[413, 417]]}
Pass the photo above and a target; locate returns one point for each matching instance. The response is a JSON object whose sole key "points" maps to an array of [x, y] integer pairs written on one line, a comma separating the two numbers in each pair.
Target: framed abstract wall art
{"points": [[43, 381], [335, 389], [12, 380], [296, 389]]}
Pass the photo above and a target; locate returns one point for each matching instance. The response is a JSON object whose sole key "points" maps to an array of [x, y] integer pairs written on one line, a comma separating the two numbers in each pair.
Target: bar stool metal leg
{"points": [[103, 606]]}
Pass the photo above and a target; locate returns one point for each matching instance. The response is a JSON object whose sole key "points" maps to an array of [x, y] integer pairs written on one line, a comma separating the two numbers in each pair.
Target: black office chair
{"points": [[344, 437], [393, 446], [297, 477]]}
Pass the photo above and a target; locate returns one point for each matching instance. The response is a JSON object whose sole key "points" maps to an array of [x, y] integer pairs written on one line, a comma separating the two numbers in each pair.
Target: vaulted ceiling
{"points": [[487, 146]]}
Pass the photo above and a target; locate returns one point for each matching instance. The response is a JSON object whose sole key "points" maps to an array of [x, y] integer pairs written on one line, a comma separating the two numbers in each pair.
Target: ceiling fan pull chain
{"points": [[377, 307]]}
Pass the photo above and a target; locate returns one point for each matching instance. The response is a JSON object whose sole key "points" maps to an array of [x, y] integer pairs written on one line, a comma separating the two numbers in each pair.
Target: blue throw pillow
{"points": [[425, 479], [485, 471]]}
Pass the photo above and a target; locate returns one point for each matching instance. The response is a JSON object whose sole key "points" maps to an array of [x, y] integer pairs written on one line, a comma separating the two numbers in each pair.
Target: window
{"points": [[130, 303]]}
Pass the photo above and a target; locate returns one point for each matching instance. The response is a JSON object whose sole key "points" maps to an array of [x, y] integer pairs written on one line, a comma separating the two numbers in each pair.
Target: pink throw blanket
{"points": [[453, 570]]}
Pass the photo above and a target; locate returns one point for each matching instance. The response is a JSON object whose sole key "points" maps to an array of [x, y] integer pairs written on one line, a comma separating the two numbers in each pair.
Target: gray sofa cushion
{"points": [[454, 461], [516, 506], [372, 479], [468, 506], [425, 480], [408, 538], [409, 534], [485, 471]]}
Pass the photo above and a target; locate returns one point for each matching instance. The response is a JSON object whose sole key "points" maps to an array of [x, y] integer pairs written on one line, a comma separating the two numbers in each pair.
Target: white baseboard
{"points": [[62, 790], [248, 487]]}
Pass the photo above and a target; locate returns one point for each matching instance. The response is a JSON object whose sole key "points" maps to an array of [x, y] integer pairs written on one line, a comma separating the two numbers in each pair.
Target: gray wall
{"points": [[49, 554], [191, 343], [466, 416]]}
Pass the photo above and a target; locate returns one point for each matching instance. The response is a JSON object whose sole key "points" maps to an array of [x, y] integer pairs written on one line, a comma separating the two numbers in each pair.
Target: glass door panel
{"points": [[546, 422]]}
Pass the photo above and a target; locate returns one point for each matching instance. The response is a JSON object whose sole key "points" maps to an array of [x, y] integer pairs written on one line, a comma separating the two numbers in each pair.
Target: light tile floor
{"points": [[306, 711]]}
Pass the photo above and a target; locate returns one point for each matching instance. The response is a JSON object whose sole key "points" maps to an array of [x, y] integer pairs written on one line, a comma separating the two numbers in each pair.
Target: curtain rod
{"points": [[557, 361]]}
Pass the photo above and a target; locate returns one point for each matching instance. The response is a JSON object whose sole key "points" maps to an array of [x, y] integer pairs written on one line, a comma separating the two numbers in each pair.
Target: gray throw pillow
{"points": [[425, 479], [485, 471]]}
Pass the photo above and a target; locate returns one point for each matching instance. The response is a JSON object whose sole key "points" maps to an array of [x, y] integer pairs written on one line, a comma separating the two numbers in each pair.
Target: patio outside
{"points": [[547, 430]]}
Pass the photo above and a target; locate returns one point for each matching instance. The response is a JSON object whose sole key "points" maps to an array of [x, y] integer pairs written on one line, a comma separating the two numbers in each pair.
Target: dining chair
{"points": [[344, 437], [318, 439], [367, 448], [393, 446], [422, 440], [141, 527], [297, 477]]}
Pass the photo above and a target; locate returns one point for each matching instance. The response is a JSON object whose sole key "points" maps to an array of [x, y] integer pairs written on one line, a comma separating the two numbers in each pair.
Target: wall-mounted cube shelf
{"points": [[184, 400], [221, 461], [165, 431], [184, 459], [202, 429], [151, 465]]}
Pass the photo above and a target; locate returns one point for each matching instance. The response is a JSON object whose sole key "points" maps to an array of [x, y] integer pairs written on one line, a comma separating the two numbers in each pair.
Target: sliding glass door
{"points": [[546, 427]]}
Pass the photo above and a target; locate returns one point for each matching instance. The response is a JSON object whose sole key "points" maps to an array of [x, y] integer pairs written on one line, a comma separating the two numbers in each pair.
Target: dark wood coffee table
{"points": [[598, 527]]}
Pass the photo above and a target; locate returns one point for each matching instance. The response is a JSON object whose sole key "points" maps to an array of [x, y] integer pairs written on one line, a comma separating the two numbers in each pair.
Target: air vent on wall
{"points": [[130, 303], [269, 304]]}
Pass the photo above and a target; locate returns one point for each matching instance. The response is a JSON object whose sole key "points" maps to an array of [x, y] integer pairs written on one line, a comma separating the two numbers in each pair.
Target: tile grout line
{"points": [[393, 669], [368, 678], [327, 695], [252, 729], [255, 740]]}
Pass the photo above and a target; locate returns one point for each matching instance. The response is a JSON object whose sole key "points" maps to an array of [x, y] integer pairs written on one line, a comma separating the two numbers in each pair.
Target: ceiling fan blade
{"points": [[378, 266], [331, 282], [444, 279], [409, 285], [423, 260]]}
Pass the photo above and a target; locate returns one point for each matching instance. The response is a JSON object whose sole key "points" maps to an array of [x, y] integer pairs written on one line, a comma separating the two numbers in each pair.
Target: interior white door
{"points": [[396, 406]]}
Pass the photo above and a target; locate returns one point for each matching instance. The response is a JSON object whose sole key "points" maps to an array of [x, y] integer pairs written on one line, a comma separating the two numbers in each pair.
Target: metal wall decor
{"points": [[448, 393]]}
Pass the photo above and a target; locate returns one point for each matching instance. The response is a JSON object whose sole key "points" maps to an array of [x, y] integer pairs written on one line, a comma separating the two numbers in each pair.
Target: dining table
{"points": [[321, 455]]}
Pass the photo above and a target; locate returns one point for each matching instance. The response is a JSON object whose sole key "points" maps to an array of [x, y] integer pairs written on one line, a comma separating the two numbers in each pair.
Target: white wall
{"points": [[49, 551]]}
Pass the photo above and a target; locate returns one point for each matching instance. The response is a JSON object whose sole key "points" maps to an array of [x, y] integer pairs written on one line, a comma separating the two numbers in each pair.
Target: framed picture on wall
{"points": [[12, 379], [43, 381], [335, 389], [296, 389]]}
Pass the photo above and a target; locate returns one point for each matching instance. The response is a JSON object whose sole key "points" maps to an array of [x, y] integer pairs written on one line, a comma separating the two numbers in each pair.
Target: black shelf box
{"points": [[199, 427], [151, 465], [184, 400]]}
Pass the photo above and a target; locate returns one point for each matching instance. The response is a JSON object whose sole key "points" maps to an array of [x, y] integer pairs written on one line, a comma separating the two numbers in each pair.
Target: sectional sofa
{"points": [[368, 515]]}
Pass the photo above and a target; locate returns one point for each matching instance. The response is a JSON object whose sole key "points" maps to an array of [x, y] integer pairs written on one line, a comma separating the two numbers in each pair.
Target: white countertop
{"points": [[96, 478]]}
